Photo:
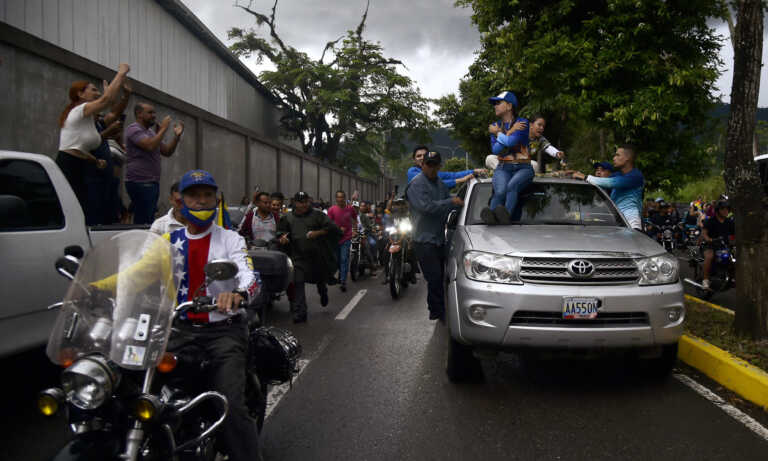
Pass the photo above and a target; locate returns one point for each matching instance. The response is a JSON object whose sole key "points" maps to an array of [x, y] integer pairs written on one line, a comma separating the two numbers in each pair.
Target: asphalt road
{"points": [[374, 388]]}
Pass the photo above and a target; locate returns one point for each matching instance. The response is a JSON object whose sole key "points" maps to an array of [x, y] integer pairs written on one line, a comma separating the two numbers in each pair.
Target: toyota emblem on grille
{"points": [[581, 268]]}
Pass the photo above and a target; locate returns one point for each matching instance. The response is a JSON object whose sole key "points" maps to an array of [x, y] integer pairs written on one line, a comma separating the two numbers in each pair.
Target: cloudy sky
{"points": [[434, 39]]}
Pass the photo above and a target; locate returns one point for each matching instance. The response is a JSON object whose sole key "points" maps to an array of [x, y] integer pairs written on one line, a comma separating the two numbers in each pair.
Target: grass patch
{"points": [[716, 327]]}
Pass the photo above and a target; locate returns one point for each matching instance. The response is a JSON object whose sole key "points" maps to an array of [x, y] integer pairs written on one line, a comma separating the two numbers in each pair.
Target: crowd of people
{"points": [[97, 153]]}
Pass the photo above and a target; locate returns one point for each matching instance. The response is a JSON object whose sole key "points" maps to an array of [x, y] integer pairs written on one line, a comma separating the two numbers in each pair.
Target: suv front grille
{"points": [[608, 271], [533, 318]]}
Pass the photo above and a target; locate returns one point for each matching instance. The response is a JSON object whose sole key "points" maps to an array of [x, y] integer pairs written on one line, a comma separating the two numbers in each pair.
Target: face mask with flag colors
{"points": [[200, 218]]}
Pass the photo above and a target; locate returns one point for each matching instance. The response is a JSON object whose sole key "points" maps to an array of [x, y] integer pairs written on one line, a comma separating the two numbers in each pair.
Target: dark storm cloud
{"points": [[434, 39]]}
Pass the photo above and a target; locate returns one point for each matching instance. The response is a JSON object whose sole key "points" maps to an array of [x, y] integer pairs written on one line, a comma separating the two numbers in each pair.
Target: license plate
{"points": [[394, 248], [580, 308]]}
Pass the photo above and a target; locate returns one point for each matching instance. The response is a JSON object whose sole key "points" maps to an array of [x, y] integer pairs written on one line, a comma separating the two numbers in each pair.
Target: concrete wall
{"points": [[162, 52], [35, 77]]}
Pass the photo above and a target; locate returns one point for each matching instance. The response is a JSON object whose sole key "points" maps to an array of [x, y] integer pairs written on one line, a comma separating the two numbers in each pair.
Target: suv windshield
{"points": [[552, 203]]}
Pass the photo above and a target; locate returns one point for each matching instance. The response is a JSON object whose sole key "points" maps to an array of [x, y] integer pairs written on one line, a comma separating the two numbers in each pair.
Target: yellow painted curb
{"points": [[710, 305], [732, 372]]}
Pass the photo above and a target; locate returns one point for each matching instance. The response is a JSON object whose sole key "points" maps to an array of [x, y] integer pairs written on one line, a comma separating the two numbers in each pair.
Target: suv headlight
{"points": [[487, 267], [89, 382], [658, 270]]}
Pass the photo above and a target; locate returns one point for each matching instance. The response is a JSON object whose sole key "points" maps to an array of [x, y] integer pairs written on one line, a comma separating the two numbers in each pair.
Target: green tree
{"points": [[627, 70], [742, 179], [352, 94]]}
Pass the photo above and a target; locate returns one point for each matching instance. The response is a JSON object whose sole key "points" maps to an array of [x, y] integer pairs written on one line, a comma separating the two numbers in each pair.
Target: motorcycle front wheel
{"points": [[395, 276], [354, 263]]}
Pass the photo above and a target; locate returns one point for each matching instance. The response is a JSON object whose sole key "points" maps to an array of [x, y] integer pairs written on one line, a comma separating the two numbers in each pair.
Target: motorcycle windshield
{"points": [[120, 304]]}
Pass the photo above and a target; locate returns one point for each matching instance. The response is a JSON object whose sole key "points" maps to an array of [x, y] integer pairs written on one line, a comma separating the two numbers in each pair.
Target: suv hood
{"points": [[531, 238]]}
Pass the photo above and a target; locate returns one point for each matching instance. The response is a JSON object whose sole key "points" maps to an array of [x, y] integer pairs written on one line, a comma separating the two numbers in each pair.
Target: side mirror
{"points": [[453, 219], [220, 269]]}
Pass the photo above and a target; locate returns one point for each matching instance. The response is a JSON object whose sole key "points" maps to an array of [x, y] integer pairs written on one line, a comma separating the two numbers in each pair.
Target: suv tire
{"points": [[462, 365], [662, 366]]}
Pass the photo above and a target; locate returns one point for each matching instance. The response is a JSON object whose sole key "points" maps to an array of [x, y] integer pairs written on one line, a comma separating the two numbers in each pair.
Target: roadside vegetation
{"points": [[716, 327]]}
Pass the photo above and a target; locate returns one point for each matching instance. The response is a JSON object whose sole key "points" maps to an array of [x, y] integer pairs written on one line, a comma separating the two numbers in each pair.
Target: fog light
{"points": [[477, 313], [49, 400], [674, 315], [147, 407]]}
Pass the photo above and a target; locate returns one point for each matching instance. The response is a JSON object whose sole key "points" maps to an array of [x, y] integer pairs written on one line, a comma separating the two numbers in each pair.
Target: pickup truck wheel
{"points": [[462, 365], [662, 366]]}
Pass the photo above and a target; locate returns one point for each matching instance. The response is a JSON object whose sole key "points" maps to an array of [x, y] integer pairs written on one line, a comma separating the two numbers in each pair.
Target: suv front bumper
{"points": [[500, 328]]}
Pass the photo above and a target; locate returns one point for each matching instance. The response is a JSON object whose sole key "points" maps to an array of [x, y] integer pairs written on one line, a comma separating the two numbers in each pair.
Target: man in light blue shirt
{"points": [[449, 178], [626, 184]]}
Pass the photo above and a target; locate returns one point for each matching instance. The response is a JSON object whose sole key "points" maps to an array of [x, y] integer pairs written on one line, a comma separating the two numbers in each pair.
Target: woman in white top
{"points": [[78, 128]]}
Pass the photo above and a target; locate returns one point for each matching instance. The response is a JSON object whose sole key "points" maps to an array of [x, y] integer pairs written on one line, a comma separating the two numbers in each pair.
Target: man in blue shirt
{"points": [[626, 185], [430, 203], [449, 178]]}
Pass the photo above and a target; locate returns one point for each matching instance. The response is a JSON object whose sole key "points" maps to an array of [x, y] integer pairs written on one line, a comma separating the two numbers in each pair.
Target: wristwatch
{"points": [[242, 293]]}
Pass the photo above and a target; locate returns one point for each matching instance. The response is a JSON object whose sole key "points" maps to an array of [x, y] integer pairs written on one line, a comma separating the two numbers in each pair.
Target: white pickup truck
{"points": [[39, 217]]}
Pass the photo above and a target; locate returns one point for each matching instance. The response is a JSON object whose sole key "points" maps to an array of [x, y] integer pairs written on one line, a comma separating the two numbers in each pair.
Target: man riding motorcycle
{"points": [[718, 226], [222, 335], [660, 220]]}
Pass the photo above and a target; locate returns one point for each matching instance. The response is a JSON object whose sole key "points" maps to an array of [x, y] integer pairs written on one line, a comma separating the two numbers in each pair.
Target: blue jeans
{"points": [[509, 180], [144, 197], [344, 260]]}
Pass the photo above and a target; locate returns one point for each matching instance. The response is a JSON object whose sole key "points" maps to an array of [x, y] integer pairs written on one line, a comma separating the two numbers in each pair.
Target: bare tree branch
{"points": [[270, 21]]}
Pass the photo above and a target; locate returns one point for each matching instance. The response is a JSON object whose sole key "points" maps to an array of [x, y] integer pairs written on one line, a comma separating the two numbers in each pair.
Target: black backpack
{"points": [[274, 354]]}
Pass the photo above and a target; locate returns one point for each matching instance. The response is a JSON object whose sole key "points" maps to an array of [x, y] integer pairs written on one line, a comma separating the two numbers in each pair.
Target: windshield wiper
{"points": [[559, 223]]}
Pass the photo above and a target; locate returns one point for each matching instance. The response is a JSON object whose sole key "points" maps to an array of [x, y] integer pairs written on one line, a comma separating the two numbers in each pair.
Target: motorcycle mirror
{"points": [[67, 266], [220, 269], [74, 250]]}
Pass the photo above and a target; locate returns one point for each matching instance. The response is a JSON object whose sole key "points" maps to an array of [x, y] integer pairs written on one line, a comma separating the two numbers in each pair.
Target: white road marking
{"points": [[351, 305], [732, 411], [276, 393]]}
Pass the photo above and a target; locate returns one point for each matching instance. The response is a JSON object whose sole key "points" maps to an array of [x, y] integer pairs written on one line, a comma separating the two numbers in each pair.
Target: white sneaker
{"points": [[705, 283]]}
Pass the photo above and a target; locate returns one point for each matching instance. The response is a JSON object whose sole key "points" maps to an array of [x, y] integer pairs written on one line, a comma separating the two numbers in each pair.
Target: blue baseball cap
{"points": [[505, 96], [603, 165], [196, 178]]}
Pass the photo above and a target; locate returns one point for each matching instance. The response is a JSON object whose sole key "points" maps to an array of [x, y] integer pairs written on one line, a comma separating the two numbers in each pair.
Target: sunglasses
{"points": [[496, 103]]}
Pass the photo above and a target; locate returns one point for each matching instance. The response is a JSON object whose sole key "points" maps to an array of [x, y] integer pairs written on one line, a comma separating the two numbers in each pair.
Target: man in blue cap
{"points": [[223, 334], [603, 169], [430, 203]]}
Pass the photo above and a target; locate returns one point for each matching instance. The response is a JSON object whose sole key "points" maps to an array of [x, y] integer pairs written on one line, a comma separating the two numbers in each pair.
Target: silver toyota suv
{"points": [[568, 273]]}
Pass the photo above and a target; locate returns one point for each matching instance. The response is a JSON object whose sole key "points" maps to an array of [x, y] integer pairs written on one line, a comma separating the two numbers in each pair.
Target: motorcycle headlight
{"points": [[391, 230], [696, 232], [658, 270], [487, 267], [667, 233], [405, 226], [89, 382]]}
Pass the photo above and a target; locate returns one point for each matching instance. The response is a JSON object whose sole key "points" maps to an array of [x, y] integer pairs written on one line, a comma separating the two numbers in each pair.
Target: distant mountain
{"points": [[441, 142], [722, 111]]}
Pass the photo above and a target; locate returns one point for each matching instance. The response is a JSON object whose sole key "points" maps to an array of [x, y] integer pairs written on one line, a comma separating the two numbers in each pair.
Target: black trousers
{"points": [[226, 348], [299, 303], [432, 261]]}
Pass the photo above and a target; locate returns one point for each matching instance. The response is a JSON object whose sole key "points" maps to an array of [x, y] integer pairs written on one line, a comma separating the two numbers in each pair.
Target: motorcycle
{"points": [[666, 237], [124, 394], [721, 273], [358, 257], [691, 233], [399, 269]]}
